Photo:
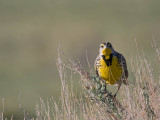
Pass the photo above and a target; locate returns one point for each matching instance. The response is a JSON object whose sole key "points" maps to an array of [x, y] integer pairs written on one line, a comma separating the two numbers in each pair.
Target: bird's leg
{"points": [[117, 90]]}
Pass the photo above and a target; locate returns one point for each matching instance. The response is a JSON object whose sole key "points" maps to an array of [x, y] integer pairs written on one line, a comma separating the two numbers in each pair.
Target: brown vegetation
{"points": [[138, 101]]}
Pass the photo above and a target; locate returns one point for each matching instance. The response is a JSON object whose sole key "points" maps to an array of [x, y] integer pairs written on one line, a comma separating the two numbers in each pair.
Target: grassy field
{"points": [[31, 32], [139, 100]]}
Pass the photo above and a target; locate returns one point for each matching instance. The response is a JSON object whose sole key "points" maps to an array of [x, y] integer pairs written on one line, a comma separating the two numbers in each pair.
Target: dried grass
{"points": [[139, 101]]}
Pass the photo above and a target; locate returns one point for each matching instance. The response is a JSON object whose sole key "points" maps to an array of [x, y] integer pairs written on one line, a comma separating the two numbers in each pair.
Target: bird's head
{"points": [[106, 49]]}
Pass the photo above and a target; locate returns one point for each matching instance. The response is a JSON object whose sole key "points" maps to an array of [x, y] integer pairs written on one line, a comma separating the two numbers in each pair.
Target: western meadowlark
{"points": [[111, 66]]}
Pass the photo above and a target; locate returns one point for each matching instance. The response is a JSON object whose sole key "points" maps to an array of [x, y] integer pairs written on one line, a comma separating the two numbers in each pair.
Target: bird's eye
{"points": [[101, 45]]}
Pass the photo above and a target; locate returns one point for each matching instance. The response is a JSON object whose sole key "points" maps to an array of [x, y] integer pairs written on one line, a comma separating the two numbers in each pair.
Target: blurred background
{"points": [[32, 30]]}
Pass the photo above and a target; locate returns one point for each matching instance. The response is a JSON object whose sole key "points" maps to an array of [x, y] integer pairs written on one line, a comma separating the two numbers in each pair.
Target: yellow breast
{"points": [[111, 74]]}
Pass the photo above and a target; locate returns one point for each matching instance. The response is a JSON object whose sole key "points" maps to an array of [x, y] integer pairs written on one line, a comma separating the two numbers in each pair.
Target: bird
{"points": [[111, 66]]}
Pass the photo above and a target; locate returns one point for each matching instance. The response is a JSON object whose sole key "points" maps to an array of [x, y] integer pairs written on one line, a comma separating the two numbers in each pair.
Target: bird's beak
{"points": [[106, 51]]}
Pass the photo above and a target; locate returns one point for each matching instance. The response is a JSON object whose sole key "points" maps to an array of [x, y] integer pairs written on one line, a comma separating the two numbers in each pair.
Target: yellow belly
{"points": [[111, 74]]}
